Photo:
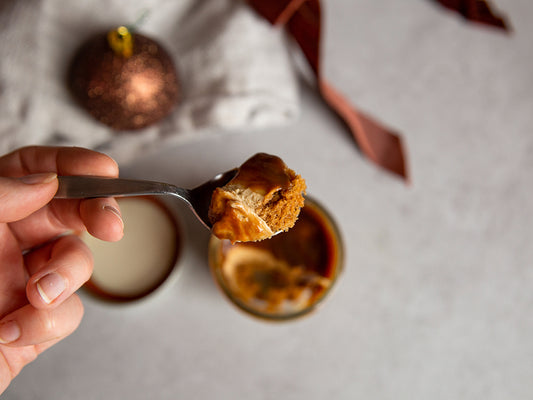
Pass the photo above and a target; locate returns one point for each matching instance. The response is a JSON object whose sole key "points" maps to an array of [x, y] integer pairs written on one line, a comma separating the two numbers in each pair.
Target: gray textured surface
{"points": [[437, 296]]}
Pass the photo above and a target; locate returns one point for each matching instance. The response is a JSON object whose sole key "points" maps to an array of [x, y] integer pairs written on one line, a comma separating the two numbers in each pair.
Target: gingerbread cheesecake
{"points": [[264, 198]]}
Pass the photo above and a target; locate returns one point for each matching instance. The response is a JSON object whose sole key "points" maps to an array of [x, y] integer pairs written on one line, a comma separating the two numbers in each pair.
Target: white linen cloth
{"points": [[234, 68]]}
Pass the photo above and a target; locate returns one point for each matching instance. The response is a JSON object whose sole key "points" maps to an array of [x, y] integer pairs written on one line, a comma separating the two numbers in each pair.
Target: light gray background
{"points": [[436, 298]]}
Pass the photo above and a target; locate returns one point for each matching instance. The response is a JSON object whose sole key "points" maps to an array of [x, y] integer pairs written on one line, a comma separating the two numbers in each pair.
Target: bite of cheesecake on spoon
{"points": [[264, 198]]}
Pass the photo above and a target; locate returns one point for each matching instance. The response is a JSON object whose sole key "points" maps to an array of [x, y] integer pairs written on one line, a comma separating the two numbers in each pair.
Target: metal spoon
{"points": [[198, 199]]}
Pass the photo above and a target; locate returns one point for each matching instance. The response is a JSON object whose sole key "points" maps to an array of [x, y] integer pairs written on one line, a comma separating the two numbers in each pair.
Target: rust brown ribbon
{"points": [[476, 11], [302, 19]]}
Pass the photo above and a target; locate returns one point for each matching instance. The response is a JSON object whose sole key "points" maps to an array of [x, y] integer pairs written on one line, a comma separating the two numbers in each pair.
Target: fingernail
{"points": [[9, 332], [115, 212], [37, 179], [51, 286]]}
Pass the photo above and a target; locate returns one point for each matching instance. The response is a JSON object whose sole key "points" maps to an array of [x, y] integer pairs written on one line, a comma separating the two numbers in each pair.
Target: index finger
{"points": [[62, 160], [56, 218]]}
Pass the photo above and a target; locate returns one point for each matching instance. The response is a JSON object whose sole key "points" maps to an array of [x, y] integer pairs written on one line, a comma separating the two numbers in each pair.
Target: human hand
{"points": [[42, 263]]}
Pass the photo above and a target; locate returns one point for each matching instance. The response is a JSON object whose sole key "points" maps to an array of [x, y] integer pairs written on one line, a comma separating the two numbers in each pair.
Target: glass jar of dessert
{"points": [[283, 277]]}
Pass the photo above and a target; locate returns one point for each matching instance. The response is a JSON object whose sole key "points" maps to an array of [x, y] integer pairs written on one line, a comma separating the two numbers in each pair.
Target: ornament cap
{"points": [[121, 41]]}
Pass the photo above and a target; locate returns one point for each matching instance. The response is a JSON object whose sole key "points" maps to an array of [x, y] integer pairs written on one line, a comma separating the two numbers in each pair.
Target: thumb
{"points": [[20, 197]]}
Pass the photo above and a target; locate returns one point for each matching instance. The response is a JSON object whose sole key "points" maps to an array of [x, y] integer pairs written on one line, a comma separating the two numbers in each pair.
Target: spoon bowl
{"points": [[197, 199]]}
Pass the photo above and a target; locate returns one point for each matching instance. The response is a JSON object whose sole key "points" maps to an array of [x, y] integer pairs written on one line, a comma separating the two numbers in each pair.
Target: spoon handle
{"points": [[82, 187]]}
